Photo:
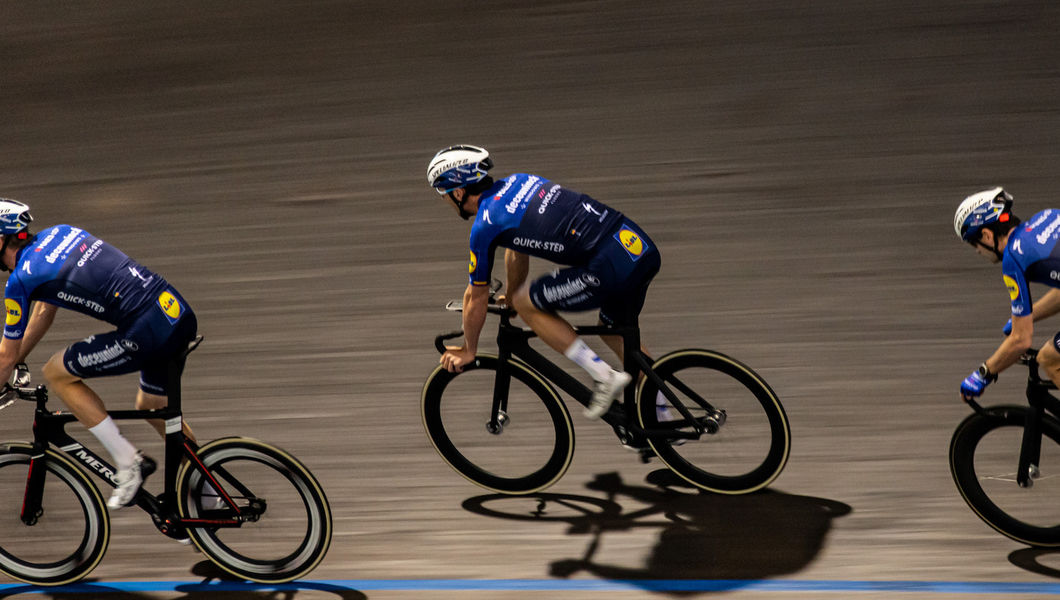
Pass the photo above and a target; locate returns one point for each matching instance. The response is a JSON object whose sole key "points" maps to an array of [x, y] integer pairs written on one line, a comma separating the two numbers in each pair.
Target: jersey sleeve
{"points": [[16, 305], [1018, 290], [480, 264]]}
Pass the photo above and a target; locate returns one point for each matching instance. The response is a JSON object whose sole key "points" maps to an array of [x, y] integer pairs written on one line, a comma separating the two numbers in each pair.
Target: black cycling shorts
{"points": [[615, 280], [147, 344]]}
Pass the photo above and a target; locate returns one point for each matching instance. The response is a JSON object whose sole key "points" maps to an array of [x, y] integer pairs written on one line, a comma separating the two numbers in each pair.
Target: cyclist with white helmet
{"points": [[610, 260], [1027, 252], [67, 267]]}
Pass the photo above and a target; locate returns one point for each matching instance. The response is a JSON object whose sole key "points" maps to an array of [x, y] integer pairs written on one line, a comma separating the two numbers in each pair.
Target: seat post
{"points": [[175, 421]]}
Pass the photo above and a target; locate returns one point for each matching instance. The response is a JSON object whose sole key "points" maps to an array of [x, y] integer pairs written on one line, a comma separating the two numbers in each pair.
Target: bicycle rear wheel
{"points": [[528, 448], [752, 441], [290, 528], [984, 457], [71, 533]]}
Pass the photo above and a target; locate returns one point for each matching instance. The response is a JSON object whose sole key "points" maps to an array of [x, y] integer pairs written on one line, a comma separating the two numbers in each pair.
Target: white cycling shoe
{"points": [[664, 413], [129, 480], [605, 393], [209, 499]]}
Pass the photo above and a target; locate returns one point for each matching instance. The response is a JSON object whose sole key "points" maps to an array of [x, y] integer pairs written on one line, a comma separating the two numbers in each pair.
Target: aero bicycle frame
{"points": [[514, 341], [1041, 401], [49, 428]]}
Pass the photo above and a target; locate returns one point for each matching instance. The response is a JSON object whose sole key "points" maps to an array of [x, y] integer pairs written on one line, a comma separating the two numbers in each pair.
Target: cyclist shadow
{"points": [[216, 584], [701, 535], [1028, 559]]}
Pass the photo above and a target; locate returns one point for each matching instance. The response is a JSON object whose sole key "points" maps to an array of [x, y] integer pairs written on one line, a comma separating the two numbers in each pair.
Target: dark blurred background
{"points": [[797, 163]]}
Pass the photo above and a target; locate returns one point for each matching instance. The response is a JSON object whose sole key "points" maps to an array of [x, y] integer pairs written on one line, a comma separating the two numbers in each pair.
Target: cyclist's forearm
{"points": [[1010, 350], [9, 353], [476, 301], [516, 266], [41, 319]]}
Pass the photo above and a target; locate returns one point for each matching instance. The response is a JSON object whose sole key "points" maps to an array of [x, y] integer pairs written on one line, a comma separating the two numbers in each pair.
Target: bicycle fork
{"points": [[1027, 469], [501, 386], [32, 500]]}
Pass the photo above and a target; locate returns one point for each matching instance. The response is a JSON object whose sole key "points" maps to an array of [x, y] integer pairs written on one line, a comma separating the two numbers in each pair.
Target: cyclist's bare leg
{"points": [[87, 406], [1049, 361], [75, 394], [553, 330], [146, 401]]}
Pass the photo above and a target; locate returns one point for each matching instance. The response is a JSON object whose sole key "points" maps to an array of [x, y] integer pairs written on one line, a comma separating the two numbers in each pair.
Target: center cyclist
{"points": [[1027, 252], [67, 267], [610, 261]]}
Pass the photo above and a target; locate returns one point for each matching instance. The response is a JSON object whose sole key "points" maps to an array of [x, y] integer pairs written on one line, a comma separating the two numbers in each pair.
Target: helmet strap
{"points": [[995, 249], [22, 235], [460, 204], [3, 250]]}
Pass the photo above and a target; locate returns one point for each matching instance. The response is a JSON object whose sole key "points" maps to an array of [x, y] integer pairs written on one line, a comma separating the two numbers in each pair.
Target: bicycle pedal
{"points": [[147, 466], [646, 454]]}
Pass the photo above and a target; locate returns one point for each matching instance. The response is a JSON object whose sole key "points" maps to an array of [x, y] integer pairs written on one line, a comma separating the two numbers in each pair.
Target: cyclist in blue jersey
{"points": [[67, 267], [1027, 252], [609, 260]]}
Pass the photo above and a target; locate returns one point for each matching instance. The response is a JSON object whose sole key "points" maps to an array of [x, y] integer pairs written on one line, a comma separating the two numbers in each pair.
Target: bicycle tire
{"points": [[26, 555], [514, 450], [756, 427], [968, 439], [294, 532]]}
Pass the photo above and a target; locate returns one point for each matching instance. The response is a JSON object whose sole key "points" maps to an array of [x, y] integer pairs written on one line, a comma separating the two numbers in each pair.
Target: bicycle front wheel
{"points": [[289, 526], [526, 447], [984, 457], [751, 440], [70, 534]]}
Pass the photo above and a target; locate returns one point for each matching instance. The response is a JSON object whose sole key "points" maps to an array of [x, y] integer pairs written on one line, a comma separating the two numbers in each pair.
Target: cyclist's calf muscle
{"points": [[1049, 360], [146, 401]]}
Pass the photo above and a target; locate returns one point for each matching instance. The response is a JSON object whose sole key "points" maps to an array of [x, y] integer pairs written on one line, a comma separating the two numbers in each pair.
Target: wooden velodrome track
{"points": [[797, 163]]}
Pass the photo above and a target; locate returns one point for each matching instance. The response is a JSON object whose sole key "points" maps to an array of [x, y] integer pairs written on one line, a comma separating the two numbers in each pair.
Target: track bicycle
{"points": [[502, 425], [251, 508], [999, 456]]}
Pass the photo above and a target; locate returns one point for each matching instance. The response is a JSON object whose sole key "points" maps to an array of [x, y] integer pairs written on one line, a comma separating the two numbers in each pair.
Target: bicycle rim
{"points": [[71, 534], [293, 532], [984, 455], [750, 448], [529, 452]]}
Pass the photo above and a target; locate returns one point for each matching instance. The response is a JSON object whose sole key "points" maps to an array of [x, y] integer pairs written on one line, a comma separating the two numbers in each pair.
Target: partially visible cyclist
{"points": [[1027, 252], [609, 260], [67, 267]]}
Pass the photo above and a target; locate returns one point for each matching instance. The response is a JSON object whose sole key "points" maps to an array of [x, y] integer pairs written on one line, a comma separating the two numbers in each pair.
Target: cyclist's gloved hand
{"points": [[21, 376], [1007, 329], [973, 385]]}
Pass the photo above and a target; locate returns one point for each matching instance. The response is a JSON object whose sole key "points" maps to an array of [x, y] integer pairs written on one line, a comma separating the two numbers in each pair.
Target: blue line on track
{"points": [[550, 585]]}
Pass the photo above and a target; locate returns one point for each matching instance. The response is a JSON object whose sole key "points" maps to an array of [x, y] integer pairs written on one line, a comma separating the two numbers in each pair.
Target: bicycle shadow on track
{"points": [[1029, 559], [701, 535], [216, 584]]}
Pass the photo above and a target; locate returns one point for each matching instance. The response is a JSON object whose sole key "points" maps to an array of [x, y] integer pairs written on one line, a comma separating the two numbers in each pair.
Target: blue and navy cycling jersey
{"points": [[1032, 254], [534, 216], [70, 268]]}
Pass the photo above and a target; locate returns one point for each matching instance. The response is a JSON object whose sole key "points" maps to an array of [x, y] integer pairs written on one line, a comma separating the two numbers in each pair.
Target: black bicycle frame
{"points": [[1040, 400], [49, 428], [515, 341]]}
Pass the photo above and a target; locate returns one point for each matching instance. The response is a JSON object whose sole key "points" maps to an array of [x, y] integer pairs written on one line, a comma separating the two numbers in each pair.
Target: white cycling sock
{"points": [[585, 358], [107, 433]]}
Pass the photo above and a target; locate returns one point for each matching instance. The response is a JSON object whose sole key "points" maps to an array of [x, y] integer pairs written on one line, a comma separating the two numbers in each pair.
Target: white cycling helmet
{"points": [[457, 166], [979, 210], [14, 216]]}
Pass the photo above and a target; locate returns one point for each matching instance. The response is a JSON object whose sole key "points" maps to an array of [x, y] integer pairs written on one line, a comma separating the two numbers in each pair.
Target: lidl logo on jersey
{"points": [[472, 264], [632, 242], [1013, 289], [14, 311], [170, 306]]}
